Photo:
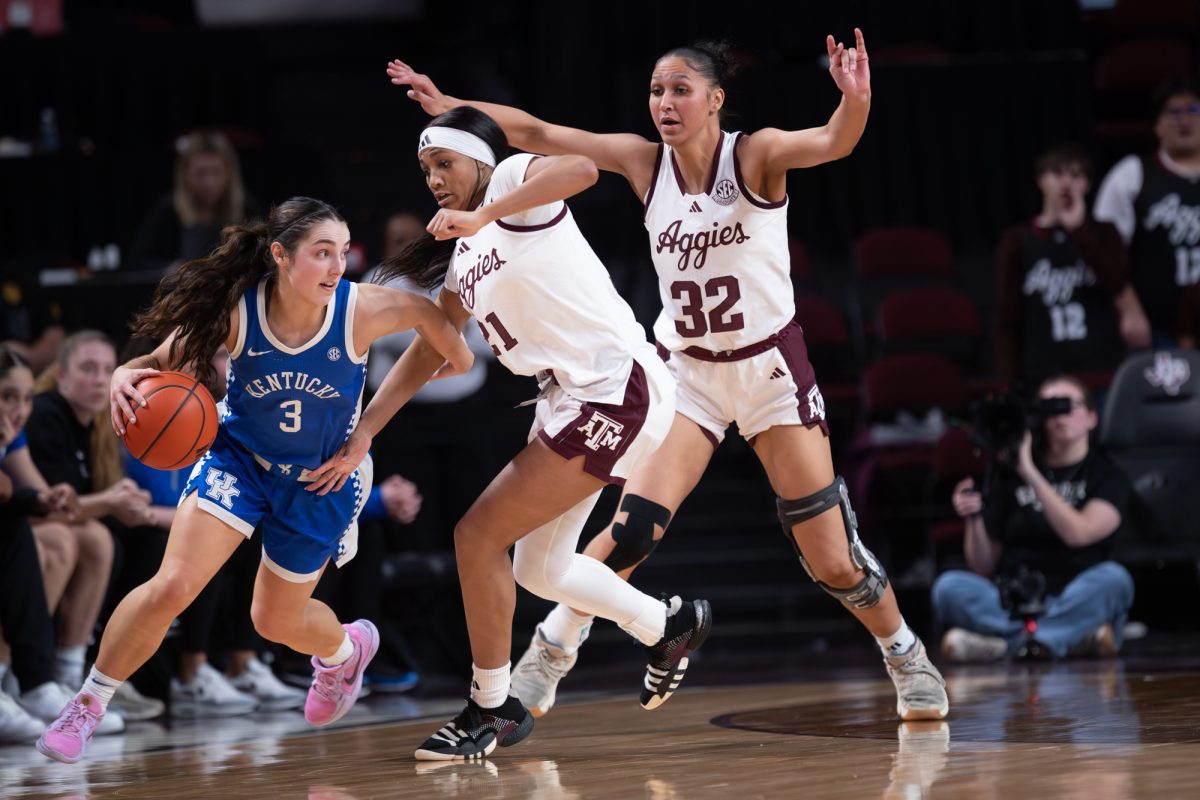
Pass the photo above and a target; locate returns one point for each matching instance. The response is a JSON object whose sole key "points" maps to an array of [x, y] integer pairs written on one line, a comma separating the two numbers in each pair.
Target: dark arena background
{"points": [[895, 253]]}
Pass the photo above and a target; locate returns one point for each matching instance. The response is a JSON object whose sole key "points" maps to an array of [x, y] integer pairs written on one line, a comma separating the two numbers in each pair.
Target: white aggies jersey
{"points": [[543, 299], [724, 272]]}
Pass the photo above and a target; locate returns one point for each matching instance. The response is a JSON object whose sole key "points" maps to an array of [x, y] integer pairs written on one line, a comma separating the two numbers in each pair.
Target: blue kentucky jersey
{"points": [[294, 405]]}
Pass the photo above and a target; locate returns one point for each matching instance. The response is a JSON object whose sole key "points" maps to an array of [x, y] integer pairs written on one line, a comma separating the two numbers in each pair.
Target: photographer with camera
{"points": [[1043, 528]]}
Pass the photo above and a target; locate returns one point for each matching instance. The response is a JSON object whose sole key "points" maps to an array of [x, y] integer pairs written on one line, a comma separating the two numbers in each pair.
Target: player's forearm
{"points": [[406, 376], [847, 124], [563, 177]]}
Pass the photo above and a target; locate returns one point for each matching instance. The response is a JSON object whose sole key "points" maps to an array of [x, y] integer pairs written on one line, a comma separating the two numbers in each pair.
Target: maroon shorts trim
{"points": [[794, 350], [603, 431]]}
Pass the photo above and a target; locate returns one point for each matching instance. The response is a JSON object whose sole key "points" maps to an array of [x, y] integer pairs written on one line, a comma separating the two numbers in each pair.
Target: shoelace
{"points": [[468, 720], [325, 681], [74, 722], [545, 663]]}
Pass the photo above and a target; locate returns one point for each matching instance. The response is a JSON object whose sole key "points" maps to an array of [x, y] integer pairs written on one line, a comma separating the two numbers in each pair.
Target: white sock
{"points": [[565, 629], [899, 642], [344, 651], [102, 686], [489, 687]]}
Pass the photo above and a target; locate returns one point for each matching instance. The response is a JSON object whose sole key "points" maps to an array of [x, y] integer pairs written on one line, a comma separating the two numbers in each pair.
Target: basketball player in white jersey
{"points": [[506, 251], [715, 208]]}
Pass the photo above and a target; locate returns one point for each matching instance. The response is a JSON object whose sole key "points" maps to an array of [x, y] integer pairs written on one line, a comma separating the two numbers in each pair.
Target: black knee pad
{"points": [[867, 592], [635, 539]]}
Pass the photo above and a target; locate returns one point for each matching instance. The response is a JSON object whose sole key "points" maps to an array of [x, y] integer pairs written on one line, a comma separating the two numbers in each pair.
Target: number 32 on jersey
{"points": [[692, 322]]}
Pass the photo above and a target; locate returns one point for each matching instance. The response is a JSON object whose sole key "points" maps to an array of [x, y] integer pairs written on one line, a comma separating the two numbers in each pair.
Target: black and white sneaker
{"points": [[687, 628], [476, 731]]}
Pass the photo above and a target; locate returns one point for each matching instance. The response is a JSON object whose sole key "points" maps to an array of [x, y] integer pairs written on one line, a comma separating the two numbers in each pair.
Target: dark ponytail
{"points": [[424, 260], [197, 298], [712, 59]]}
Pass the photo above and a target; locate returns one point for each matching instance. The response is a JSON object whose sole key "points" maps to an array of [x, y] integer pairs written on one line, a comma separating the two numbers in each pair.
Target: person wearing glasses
{"points": [[1040, 581], [1154, 201]]}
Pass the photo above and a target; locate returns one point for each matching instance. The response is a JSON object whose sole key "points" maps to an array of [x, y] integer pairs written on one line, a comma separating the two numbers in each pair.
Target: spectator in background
{"points": [[207, 195], [77, 554], [1065, 302], [29, 322], [60, 433], [432, 438], [27, 647], [1154, 201], [1044, 530]]}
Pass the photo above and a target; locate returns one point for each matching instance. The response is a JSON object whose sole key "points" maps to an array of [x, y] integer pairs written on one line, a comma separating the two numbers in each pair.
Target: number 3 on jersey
{"points": [[691, 322], [291, 412]]}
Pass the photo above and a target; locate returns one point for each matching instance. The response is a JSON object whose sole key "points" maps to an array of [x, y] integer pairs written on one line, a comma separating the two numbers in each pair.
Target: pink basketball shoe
{"points": [[67, 737], [334, 689]]}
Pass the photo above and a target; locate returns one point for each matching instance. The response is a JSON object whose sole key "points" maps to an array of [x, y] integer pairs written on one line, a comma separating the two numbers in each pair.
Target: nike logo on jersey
{"points": [[695, 207], [252, 353]]}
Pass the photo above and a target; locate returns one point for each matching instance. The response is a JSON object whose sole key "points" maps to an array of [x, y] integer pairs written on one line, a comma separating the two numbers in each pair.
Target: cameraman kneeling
{"points": [[1045, 528]]}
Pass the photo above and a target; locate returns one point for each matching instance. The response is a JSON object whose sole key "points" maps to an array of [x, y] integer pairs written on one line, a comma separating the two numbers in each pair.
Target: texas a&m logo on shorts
{"points": [[602, 431]]}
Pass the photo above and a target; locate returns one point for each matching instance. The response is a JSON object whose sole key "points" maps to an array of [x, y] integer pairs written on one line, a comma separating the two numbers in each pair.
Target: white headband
{"points": [[468, 144]]}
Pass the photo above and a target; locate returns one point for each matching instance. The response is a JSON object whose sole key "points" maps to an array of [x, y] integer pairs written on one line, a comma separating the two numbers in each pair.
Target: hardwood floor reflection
{"points": [[1093, 732]]}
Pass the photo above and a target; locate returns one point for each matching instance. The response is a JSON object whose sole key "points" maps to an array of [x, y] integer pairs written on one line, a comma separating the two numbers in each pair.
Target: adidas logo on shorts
{"points": [[778, 373]]}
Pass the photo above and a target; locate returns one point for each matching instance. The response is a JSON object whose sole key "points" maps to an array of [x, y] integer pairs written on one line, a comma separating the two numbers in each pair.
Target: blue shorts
{"points": [[301, 530]]}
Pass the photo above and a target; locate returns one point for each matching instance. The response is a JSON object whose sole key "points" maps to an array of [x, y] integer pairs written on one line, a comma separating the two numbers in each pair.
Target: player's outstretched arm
{"points": [[626, 154], [772, 151]]}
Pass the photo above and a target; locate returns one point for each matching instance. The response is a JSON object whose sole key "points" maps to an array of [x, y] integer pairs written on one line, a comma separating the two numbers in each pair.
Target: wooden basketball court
{"points": [[1094, 730]]}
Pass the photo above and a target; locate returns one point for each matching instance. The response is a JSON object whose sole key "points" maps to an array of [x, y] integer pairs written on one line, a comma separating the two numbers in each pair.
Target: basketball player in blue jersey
{"points": [[506, 251], [298, 336], [716, 211]]}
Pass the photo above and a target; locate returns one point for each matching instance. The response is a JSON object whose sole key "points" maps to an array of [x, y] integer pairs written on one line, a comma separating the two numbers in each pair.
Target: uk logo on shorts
{"points": [[221, 487], [602, 431]]}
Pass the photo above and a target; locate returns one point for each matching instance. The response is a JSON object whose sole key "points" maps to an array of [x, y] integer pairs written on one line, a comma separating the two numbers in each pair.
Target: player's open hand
{"points": [[124, 396], [332, 475], [849, 67], [421, 88]]}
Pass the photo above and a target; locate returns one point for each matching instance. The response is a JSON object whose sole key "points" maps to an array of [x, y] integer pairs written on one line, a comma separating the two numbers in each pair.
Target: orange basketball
{"points": [[178, 424]]}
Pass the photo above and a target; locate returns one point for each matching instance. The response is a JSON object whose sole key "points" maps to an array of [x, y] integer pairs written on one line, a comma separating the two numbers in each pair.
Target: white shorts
{"points": [[614, 437], [774, 386]]}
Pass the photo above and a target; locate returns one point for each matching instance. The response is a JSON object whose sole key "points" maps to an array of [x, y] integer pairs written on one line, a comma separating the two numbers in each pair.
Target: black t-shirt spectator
{"points": [[1015, 519], [59, 445], [1056, 291]]}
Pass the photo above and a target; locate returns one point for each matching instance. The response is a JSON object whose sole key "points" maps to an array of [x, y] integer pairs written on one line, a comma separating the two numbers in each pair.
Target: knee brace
{"points": [[635, 539], [867, 592]]}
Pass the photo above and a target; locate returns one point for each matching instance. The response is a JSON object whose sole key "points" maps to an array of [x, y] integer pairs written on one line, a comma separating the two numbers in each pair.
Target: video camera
{"points": [[1023, 595], [1001, 421]]}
